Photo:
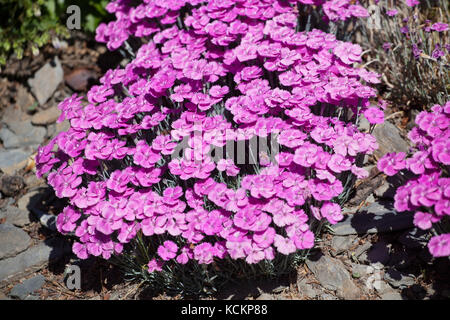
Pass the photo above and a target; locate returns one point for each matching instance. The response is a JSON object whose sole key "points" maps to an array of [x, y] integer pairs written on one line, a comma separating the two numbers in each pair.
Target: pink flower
{"points": [[332, 212], [423, 220], [391, 163], [348, 53], [284, 245], [168, 250], [154, 265], [439, 246], [374, 115], [412, 3], [439, 27]]}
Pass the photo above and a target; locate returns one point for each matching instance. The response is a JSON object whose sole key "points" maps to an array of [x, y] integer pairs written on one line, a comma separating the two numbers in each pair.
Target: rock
{"points": [[398, 279], [29, 286], [22, 134], [16, 216], [46, 80], [3, 297], [11, 185], [378, 253], [414, 238], [79, 79], [359, 270], [376, 218], [265, 296], [34, 258], [25, 100], [340, 244], [326, 296], [305, 289], [361, 249], [31, 199], [32, 181], [14, 113], [62, 126], [13, 160], [46, 117], [332, 275], [389, 139], [12, 240], [392, 295]]}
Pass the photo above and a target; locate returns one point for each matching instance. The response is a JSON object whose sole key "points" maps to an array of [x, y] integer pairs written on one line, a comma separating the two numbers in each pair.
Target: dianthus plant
{"points": [[226, 138], [428, 193]]}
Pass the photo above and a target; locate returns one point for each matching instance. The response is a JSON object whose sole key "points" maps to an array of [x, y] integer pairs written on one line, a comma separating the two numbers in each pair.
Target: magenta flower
{"points": [[439, 246], [332, 212], [374, 115], [439, 27], [168, 250], [391, 163]]}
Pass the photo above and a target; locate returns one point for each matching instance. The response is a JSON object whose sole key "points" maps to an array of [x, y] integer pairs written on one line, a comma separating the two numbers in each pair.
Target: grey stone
{"points": [[376, 218], [22, 134], [361, 249], [46, 80], [11, 185], [326, 296], [34, 258], [12, 240], [12, 160], [306, 289], [265, 296], [332, 275], [359, 270], [46, 117], [30, 200], [29, 286], [340, 244], [398, 279], [16, 216], [389, 139], [393, 295]]}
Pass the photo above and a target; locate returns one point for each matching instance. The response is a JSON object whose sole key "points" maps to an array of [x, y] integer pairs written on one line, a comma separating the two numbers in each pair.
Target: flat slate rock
{"points": [[389, 139], [22, 134], [46, 117], [46, 80], [13, 240], [377, 218], [26, 288], [398, 279], [332, 275], [34, 258], [15, 216], [12, 158]]}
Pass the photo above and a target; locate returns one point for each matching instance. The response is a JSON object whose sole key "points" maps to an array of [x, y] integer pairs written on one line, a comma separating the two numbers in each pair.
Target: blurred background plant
{"points": [[409, 46], [27, 25]]}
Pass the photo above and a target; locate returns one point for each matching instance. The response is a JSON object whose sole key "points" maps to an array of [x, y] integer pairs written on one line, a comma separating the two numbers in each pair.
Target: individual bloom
{"points": [[204, 253], [127, 231], [155, 265], [66, 221], [332, 212], [439, 246], [439, 27], [291, 138], [386, 46], [236, 199], [339, 163], [80, 249], [118, 181], [144, 155], [360, 173], [254, 254], [412, 3], [425, 195], [391, 163], [392, 12], [264, 238], [168, 250], [284, 245], [164, 144], [305, 240], [185, 255], [348, 52], [423, 220], [195, 69], [374, 115], [419, 162], [228, 166], [437, 52], [246, 52], [306, 155], [441, 151]]}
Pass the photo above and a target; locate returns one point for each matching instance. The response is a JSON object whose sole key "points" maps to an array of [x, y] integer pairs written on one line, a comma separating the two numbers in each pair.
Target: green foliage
{"points": [[27, 25]]}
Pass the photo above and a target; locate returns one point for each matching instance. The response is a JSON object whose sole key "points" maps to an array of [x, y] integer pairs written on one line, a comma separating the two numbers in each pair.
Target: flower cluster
{"points": [[156, 150], [428, 194]]}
